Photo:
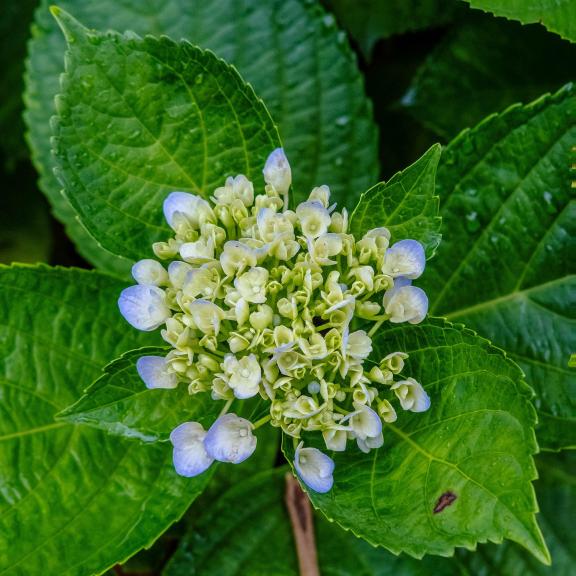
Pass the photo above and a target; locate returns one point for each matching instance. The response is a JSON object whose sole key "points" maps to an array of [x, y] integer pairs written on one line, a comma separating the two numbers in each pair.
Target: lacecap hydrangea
{"points": [[259, 299]]}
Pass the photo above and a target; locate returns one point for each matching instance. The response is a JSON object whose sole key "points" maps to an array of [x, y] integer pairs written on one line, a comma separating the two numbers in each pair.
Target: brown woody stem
{"points": [[302, 521]]}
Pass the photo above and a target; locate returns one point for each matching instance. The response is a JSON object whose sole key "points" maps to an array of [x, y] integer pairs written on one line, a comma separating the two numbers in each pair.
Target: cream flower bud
{"points": [[149, 272], [366, 250], [359, 345], [378, 233], [230, 439], [339, 222], [302, 407], [322, 194], [206, 316], [237, 188], [394, 362], [237, 342], [244, 190], [144, 307], [367, 309], [335, 439], [166, 250], [271, 224], [262, 318], [365, 275], [405, 303], [376, 374], [241, 311], [221, 390], [154, 372], [370, 443], [288, 362], [236, 257], [189, 455], [277, 172], [196, 210], [252, 285], [314, 218], [200, 281], [284, 338], [177, 272], [325, 247], [314, 468], [405, 258], [386, 411], [198, 252], [216, 233], [244, 375], [364, 422], [412, 395]]}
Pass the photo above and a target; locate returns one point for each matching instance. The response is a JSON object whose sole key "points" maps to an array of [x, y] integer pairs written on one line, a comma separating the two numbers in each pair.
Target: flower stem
{"points": [[261, 422], [226, 407], [377, 325]]}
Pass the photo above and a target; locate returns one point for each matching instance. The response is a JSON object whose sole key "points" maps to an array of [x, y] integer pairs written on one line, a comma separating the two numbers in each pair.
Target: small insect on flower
{"points": [[257, 300]]}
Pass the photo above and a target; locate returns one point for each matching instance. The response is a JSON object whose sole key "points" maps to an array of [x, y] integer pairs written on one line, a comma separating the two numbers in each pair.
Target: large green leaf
{"points": [[181, 119], [247, 533], [370, 20], [506, 265], [556, 490], [476, 441], [459, 84], [406, 204], [74, 500], [557, 15], [119, 403], [292, 53]]}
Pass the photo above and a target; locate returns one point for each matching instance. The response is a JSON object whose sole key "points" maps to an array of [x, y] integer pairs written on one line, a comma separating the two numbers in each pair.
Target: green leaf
{"points": [[74, 500], [182, 120], [476, 441], [290, 51], [556, 15], [247, 533], [556, 489], [406, 204], [458, 84], [506, 266], [119, 403], [371, 20]]}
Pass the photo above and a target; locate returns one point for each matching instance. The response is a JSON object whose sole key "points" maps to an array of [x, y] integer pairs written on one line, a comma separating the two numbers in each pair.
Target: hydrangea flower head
{"points": [[256, 299]]}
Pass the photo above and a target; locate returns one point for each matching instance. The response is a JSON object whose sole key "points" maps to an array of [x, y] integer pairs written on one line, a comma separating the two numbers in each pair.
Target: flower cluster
{"points": [[258, 299]]}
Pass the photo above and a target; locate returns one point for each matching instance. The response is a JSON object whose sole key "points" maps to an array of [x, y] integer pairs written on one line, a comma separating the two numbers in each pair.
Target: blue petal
{"points": [[319, 483], [143, 307], [189, 455], [152, 370], [177, 202], [422, 403], [414, 253], [418, 296]]}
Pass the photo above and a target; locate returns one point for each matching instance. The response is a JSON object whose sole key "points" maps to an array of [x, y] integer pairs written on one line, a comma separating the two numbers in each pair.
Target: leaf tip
{"points": [[71, 28]]}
